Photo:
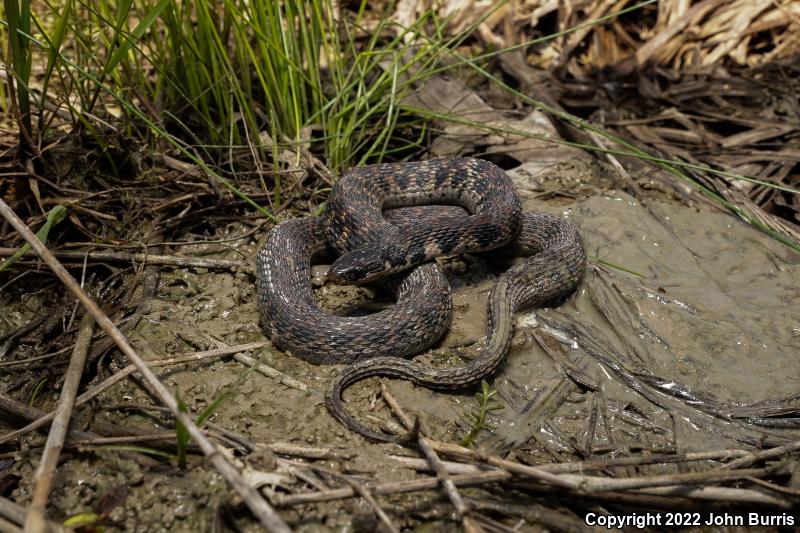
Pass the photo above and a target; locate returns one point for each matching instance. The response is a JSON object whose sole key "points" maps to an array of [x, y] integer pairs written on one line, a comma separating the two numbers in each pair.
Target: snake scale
{"points": [[370, 247]]}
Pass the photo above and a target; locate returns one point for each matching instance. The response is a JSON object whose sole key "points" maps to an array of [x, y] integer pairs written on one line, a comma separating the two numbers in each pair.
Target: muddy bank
{"points": [[684, 334]]}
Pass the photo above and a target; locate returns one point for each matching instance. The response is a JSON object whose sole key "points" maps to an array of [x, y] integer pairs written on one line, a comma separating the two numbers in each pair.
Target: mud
{"points": [[695, 302]]}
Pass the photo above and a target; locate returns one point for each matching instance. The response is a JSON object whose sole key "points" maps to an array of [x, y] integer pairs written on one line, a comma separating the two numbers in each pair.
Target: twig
{"points": [[761, 455], [395, 487], [436, 464], [453, 467], [600, 464], [16, 513], [593, 484], [260, 508], [567, 481], [20, 410], [126, 257], [719, 494], [271, 372], [125, 372], [9, 527], [704, 494], [787, 491], [104, 441], [35, 522], [579, 466], [534, 513], [362, 491]]}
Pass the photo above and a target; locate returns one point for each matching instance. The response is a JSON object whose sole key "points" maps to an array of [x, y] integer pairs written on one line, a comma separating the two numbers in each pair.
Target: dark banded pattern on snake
{"points": [[353, 220], [555, 268], [373, 247], [354, 225], [294, 322]]}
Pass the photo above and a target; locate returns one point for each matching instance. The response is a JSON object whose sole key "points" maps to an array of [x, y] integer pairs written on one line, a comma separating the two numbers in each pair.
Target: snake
{"points": [[371, 247]]}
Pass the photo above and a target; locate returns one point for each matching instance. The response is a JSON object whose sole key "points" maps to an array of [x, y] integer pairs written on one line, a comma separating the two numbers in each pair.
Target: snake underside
{"points": [[371, 247]]}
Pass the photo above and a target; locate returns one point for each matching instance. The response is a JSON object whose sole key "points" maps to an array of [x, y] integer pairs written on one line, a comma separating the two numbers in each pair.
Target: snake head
{"points": [[366, 264], [360, 266]]}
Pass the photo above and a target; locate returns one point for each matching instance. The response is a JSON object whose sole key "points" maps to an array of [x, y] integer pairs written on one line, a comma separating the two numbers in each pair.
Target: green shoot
{"points": [[18, 16], [477, 417], [182, 434], [55, 216], [37, 390]]}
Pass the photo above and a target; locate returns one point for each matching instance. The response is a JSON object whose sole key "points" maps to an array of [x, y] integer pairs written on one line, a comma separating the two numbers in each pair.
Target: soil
{"points": [[694, 312]]}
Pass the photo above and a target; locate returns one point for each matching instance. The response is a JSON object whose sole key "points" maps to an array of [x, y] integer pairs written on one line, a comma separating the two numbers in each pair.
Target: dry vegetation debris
{"points": [[674, 95]]}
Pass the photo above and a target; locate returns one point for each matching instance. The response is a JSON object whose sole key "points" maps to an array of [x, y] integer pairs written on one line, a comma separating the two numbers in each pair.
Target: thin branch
{"points": [[762, 455], [260, 508], [15, 513], [43, 481], [436, 464], [125, 257], [271, 372]]}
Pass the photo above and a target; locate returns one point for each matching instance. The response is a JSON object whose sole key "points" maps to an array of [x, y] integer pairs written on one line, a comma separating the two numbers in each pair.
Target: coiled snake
{"points": [[371, 247]]}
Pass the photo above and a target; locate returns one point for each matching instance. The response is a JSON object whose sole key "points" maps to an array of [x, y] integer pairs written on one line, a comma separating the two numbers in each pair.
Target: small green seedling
{"points": [[487, 403], [182, 434]]}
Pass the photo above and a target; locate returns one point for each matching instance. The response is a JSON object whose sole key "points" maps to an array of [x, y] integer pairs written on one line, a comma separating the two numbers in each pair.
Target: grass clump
{"points": [[251, 87], [235, 86]]}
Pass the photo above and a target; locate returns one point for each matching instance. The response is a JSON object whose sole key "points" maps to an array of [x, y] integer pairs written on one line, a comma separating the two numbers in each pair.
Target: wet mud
{"points": [[686, 331]]}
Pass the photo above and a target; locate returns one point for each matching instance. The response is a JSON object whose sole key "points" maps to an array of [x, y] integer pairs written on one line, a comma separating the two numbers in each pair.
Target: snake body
{"points": [[371, 247], [555, 269], [294, 322]]}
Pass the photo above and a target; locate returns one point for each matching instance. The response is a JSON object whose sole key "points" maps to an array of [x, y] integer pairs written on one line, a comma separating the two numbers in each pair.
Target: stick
{"points": [[586, 466], [15, 513], [34, 523], [362, 491], [395, 487], [260, 508], [271, 372], [436, 464], [126, 257], [760, 455], [125, 372]]}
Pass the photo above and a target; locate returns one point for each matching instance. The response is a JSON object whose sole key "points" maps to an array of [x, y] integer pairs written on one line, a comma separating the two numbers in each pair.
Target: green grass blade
{"points": [[18, 17], [137, 33], [55, 216], [54, 46], [213, 406]]}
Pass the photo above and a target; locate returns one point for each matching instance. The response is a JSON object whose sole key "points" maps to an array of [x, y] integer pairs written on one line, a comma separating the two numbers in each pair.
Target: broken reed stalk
{"points": [[127, 371], [15, 514], [591, 484], [679, 493], [43, 480], [362, 491], [260, 508], [150, 259], [442, 475]]}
